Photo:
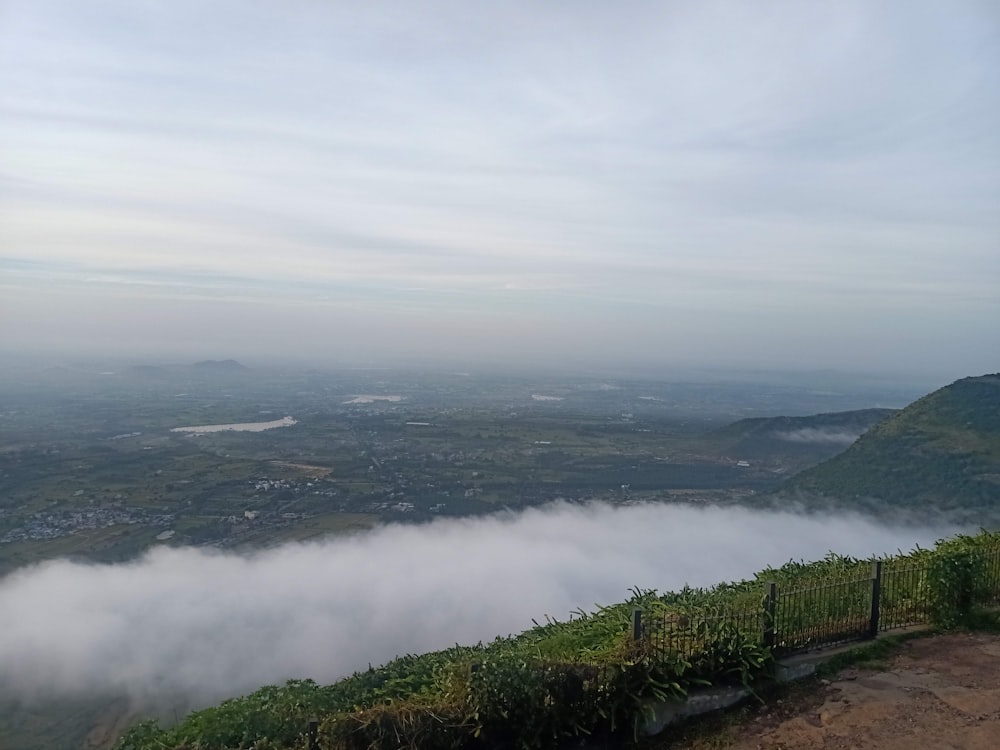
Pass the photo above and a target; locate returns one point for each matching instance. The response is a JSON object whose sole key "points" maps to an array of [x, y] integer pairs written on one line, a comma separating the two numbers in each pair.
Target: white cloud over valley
{"points": [[207, 625]]}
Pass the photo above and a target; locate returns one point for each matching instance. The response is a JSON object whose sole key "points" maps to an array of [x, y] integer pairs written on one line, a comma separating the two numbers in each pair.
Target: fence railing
{"points": [[991, 568], [782, 620], [895, 594], [905, 596]]}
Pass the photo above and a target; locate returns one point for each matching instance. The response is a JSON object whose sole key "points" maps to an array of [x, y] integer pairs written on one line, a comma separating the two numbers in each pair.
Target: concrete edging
{"points": [[661, 714]]}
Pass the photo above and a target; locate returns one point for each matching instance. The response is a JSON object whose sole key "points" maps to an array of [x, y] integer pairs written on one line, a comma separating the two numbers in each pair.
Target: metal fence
{"points": [[706, 641], [685, 635], [905, 599], [895, 594], [991, 568], [831, 613]]}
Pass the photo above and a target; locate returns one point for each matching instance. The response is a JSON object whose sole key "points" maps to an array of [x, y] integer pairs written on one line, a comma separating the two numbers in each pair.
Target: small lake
{"points": [[239, 427], [365, 398]]}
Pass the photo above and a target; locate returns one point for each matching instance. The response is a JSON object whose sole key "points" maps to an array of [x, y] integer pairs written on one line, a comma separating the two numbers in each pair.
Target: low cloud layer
{"points": [[818, 435], [208, 625]]}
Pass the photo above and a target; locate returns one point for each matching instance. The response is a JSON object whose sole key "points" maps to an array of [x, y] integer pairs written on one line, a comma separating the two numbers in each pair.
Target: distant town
{"points": [[230, 457]]}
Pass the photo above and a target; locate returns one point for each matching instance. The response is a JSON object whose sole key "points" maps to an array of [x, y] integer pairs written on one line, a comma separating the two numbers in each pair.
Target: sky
{"points": [[667, 184], [179, 624]]}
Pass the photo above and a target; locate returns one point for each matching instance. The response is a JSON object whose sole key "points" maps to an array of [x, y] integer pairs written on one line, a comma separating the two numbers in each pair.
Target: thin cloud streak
{"points": [[818, 436]]}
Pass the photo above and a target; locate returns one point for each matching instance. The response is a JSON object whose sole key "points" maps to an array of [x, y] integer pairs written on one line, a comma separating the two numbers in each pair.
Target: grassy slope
{"points": [[774, 438], [942, 451]]}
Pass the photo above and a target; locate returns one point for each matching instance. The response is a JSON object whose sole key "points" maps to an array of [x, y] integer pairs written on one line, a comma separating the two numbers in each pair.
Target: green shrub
{"points": [[959, 579]]}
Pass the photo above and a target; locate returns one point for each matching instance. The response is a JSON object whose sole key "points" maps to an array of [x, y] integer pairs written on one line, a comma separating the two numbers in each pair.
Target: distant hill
{"points": [[797, 442], [146, 371], [220, 366], [206, 368], [941, 452]]}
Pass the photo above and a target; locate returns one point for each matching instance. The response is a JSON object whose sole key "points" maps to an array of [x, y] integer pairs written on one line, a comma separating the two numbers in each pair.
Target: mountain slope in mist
{"points": [[795, 442], [940, 452]]}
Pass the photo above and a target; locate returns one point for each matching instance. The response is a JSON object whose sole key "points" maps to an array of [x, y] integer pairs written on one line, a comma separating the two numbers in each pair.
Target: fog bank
{"points": [[818, 435], [211, 625]]}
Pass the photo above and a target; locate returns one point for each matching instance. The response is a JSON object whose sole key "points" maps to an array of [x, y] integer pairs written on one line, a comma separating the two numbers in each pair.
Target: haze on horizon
{"points": [[779, 185]]}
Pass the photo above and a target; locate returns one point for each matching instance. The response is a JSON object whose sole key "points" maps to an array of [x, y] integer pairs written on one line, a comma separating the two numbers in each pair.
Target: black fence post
{"points": [[313, 734], [636, 624], [876, 597], [770, 607]]}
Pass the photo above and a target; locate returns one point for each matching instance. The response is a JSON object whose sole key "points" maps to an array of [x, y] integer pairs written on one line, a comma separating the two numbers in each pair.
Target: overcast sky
{"points": [[754, 184]]}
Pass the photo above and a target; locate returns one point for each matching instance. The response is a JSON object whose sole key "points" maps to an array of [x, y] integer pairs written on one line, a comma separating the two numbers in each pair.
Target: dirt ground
{"points": [[937, 692], [112, 724]]}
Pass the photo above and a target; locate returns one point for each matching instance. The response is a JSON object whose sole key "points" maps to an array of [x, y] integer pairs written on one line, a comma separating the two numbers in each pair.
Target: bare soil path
{"points": [[938, 692]]}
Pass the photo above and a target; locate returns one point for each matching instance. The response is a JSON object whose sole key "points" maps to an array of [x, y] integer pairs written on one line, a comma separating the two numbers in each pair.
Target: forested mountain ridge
{"points": [[799, 441], [941, 452]]}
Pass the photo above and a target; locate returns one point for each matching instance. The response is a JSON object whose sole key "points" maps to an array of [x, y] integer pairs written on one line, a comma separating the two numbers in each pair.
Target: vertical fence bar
{"points": [[876, 597], [313, 734], [636, 624], [770, 605], [994, 556]]}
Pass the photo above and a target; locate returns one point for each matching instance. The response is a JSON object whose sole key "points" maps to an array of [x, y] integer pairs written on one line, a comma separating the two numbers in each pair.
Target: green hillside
{"points": [[942, 452], [793, 442]]}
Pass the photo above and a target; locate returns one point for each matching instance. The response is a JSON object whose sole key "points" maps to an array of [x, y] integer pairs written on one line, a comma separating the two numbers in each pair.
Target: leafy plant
{"points": [[959, 579]]}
